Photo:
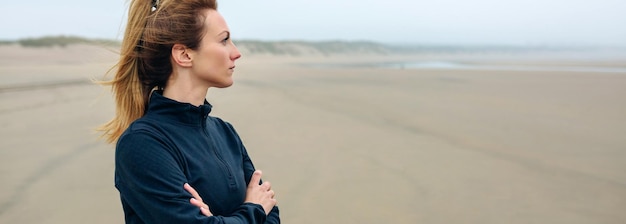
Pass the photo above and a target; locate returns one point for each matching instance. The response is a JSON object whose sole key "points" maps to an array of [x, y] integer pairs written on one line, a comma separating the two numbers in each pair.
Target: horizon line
{"points": [[385, 43]]}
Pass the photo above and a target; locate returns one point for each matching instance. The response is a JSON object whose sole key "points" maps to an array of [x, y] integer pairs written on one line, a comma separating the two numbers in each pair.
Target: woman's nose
{"points": [[235, 54]]}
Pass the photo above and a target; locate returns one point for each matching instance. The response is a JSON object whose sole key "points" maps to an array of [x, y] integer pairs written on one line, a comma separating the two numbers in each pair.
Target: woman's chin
{"points": [[225, 84]]}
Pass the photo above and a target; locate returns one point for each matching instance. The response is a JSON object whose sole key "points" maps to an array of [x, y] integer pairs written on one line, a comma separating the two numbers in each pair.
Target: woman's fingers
{"points": [[266, 186], [197, 203], [197, 200], [204, 208], [260, 193], [255, 179], [192, 191], [205, 211], [272, 193]]}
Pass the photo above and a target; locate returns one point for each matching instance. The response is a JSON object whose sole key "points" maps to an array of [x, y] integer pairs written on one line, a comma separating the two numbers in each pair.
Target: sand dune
{"points": [[343, 145]]}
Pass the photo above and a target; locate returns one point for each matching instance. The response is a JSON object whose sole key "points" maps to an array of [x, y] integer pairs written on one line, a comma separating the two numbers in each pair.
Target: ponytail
{"points": [[126, 86]]}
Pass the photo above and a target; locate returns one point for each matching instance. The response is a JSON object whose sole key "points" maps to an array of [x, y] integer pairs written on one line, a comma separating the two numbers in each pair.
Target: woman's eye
{"points": [[225, 39]]}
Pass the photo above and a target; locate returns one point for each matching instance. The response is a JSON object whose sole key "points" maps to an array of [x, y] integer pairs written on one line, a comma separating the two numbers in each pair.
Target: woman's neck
{"points": [[185, 90]]}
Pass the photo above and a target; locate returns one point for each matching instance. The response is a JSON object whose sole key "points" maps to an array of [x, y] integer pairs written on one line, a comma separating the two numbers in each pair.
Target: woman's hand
{"points": [[260, 194], [197, 200]]}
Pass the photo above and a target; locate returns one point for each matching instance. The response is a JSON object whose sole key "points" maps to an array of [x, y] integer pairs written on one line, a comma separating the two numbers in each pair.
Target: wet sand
{"points": [[342, 145]]}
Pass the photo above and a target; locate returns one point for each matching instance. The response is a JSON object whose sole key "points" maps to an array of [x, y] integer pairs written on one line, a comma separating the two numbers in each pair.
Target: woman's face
{"points": [[214, 60]]}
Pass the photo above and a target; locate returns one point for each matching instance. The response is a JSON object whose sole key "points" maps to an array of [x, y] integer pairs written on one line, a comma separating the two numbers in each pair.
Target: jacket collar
{"points": [[171, 110]]}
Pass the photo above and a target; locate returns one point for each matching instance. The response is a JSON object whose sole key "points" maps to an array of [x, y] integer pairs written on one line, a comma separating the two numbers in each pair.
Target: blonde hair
{"points": [[153, 27]]}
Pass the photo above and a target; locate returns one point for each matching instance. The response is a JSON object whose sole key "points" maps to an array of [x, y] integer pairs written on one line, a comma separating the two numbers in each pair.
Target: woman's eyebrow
{"points": [[225, 31]]}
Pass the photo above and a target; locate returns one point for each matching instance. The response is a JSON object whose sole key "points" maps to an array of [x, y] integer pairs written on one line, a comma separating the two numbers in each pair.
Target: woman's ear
{"points": [[181, 55]]}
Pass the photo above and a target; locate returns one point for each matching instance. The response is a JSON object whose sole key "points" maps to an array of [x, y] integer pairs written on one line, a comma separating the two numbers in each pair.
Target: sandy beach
{"points": [[344, 144]]}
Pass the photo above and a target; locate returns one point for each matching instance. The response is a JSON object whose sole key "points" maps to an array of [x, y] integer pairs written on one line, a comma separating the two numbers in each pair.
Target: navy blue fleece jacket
{"points": [[176, 143]]}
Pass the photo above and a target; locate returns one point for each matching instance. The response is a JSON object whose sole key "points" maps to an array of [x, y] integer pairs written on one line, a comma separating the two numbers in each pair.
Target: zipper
{"points": [[224, 165]]}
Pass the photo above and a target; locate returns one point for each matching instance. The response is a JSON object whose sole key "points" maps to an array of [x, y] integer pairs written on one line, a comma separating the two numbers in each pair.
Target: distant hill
{"points": [[59, 41], [307, 48], [293, 48]]}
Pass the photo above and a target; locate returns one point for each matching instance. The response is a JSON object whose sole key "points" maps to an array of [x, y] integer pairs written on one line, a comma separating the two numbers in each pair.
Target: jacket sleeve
{"points": [[248, 169], [150, 183]]}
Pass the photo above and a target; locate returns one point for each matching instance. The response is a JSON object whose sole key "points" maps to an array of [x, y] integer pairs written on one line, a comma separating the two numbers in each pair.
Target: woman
{"points": [[169, 151]]}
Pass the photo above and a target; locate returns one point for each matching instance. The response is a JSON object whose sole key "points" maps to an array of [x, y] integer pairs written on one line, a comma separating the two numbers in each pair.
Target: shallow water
{"points": [[450, 65]]}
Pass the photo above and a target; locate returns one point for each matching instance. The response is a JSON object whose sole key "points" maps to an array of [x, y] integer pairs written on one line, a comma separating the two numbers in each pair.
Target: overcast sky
{"points": [[483, 22]]}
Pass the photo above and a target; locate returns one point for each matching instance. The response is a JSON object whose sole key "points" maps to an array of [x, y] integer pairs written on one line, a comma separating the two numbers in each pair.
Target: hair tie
{"points": [[155, 4]]}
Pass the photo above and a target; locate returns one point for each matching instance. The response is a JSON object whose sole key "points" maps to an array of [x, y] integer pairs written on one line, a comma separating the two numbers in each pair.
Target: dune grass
{"points": [[57, 41]]}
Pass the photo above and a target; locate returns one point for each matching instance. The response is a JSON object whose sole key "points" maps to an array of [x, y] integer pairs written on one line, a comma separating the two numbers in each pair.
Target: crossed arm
{"points": [[261, 194]]}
